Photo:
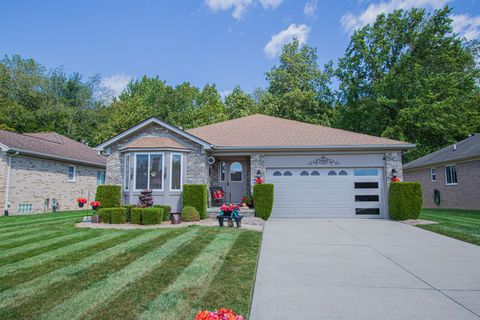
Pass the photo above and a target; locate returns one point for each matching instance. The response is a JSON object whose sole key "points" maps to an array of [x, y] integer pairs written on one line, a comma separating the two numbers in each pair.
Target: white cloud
{"points": [[116, 83], [466, 26], [239, 6], [266, 4], [310, 9], [350, 21], [275, 45]]}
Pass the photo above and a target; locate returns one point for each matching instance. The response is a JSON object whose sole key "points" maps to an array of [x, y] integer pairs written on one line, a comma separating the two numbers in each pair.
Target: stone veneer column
{"points": [[257, 162], [3, 180], [114, 172], [393, 160]]}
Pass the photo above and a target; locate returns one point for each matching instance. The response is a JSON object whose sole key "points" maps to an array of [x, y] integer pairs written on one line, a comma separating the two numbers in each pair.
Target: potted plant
{"points": [[81, 202], [175, 218], [229, 211], [248, 200], [95, 205]]}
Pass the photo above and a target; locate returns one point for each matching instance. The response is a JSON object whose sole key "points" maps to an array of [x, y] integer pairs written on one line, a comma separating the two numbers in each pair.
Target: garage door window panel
{"points": [[287, 174], [360, 211], [365, 172], [277, 174], [315, 173], [304, 173], [367, 197], [366, 185], [332, 173]]}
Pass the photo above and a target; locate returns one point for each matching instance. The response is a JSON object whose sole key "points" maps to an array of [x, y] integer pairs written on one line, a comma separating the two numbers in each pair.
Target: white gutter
{"points": [[59, 158], [7, 192], [333, 147]]}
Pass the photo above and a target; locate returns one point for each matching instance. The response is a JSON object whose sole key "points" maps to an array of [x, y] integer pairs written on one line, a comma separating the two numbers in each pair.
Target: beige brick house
{"points": [[453, 173], [43, 172], [317, 171]]}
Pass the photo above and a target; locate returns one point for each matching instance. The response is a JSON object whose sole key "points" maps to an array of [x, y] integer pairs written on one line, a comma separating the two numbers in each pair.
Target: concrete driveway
{"points": [[364, 269]]}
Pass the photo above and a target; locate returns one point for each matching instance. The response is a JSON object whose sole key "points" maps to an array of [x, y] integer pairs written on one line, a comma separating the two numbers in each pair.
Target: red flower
{"points": [[81, 200], [243, 199], [259, 180], [222, 314], [95, 203]]}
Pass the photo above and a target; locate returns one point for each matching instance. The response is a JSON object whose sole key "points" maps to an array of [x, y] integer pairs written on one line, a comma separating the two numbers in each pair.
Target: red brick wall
{"points": [[464, 195]]}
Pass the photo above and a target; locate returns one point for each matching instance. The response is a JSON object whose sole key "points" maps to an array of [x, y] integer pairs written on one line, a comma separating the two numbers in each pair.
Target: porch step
{"points": [[247, 212]]}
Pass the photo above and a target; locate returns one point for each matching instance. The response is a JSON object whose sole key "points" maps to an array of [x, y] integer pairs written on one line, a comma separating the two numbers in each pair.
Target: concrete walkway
{"points": [[364, 269]]}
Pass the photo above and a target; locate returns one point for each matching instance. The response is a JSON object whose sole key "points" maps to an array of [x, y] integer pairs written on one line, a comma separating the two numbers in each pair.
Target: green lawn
{"points": [[460, 224], [52, 270]]}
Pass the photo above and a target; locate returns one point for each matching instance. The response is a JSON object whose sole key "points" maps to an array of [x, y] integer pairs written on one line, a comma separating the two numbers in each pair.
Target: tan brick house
{"points": [[317, 171], [42, 172], [453, 173]]}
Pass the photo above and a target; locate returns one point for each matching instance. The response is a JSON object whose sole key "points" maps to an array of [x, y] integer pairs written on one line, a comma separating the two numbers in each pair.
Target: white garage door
{"points": [[326, 192]]}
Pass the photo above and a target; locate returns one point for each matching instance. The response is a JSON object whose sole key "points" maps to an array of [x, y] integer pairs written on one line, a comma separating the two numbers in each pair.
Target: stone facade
{"points": [[3, 179], [464, 195], [257, 162], [34, 180], [393, 160]]}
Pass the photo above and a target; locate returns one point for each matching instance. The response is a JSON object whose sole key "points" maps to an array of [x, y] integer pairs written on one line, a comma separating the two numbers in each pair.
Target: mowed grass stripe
{"points": [[42, 216], [233, 284], [12, 234], [36, 271], [4, 244], [40, 221], [11, 268], [98, 293], [192, 283], [142, 291], [39, 224], [35, 286], [40, 244]]}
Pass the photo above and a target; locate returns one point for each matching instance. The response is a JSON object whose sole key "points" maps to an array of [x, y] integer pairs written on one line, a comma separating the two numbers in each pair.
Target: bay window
{"points": [[176, 160], [149, 171]]}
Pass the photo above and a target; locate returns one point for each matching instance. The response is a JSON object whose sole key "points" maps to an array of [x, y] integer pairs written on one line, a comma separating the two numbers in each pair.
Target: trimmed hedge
{"points": [[109, 195], [167, 210], [195, 195], [405, 200], [152, 215], [263, 200], [129, 208], [190, 214], [118, 215], [136, 215], [112, 215]]}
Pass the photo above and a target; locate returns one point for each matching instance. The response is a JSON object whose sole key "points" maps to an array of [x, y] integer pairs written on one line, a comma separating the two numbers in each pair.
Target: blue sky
{"points": [[227, 42]]}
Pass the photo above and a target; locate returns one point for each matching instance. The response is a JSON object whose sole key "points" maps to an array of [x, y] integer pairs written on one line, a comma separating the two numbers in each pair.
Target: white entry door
{"points": [[326, 192]]}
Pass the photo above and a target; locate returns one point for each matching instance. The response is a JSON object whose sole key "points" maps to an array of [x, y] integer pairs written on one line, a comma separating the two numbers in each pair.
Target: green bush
{"points": [[137, 215], [166, 211], [105, 215], [109, 195], [152, 215], [195, 195], [129, 208], [190, 214], [117, 215], [405, 200], [263, 200]]}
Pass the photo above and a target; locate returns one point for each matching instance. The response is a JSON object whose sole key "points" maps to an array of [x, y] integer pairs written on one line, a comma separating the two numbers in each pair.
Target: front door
{"points": [[232, 178]]}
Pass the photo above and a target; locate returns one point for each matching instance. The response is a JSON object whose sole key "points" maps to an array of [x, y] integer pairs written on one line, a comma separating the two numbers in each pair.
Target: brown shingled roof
{"points": [[154, 142], [51, 144], [264, 131]]}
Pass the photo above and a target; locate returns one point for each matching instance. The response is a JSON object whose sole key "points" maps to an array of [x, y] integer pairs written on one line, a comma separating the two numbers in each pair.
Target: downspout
{"points": [[7, 192]]}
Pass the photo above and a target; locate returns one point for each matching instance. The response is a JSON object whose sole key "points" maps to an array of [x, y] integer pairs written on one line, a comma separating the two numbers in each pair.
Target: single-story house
{"points": [[317, 171], [450, 177], [44, 172]]}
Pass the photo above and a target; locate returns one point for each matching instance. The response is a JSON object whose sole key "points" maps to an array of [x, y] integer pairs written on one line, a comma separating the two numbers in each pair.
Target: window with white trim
{"points": [[100, 177], [126, 173], [433, 174], [176, 166], [71, 174], [236, 171], [451, 174], [148, 171], [25, 208]]}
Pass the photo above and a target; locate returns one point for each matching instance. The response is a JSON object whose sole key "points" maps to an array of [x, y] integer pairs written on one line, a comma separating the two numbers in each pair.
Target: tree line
{"points": [[407, 76]]}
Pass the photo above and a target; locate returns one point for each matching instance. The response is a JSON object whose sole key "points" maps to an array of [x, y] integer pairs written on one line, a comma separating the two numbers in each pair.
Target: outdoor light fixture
{"points": [[394, 172], [259, 174]]}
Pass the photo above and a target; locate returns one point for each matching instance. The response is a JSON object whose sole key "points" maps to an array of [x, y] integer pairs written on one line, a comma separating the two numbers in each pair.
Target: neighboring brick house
{"points": [[453, 173], [317, 171], [43, 172]]}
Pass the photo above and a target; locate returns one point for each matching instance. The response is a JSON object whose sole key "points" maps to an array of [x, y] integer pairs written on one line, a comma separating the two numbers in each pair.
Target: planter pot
{"points": [[175, 218], [94, 208], [80, 205]]}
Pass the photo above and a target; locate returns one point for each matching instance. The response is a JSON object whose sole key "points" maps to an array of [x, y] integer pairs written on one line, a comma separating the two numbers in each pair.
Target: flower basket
{"points": [[81, 202], [95, 205]]}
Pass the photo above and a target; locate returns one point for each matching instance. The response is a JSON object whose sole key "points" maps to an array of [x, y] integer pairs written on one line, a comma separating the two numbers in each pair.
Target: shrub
{"points": [[166, 211], [190, 214], [137, 215], [104, 215], [129, 208], [117, 215], [405, 200], [263, 199], [195, 195], [152, 215], [109, 195]]}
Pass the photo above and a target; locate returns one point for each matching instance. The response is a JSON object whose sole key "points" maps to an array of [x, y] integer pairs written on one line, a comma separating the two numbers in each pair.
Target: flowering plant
{"points": [[95, 203], [218, 194], [248, 199], [395, 179], [82, 200], [259, 180], [222, 314], [229, 209]]}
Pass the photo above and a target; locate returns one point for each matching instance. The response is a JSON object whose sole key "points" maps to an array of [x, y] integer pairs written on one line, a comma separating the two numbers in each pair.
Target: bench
{"points": [[238, 220]]}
